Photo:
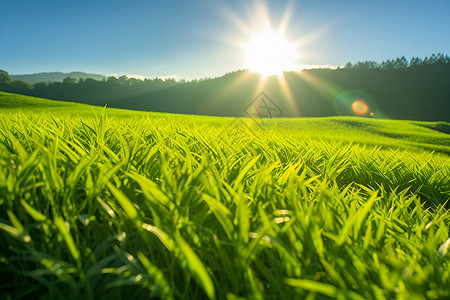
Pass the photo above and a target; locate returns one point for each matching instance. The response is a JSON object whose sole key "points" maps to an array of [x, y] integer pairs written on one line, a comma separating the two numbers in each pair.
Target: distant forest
{"points": [[55, 76], [400, 63], [418, 89]]}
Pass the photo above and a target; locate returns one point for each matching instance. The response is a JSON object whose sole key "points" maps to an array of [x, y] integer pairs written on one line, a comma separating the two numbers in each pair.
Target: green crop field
{"points": [[97, 203]]}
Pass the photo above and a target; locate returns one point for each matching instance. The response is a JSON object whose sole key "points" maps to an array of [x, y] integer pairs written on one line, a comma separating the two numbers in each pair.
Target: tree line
{"points": [[400, 63], [113, 87], [91, 90], [400, 89]]}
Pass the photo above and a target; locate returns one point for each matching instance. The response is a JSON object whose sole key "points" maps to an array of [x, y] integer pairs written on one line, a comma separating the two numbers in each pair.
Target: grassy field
{"points": [[105, 204]]}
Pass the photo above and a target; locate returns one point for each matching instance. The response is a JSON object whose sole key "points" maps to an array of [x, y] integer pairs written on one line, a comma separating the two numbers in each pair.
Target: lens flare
{"points": [[357, 103], [360, 107]]}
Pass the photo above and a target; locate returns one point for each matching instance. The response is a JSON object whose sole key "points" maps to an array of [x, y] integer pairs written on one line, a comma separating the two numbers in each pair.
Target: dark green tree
{"points": [[365, 65], [387, 65], [70, 80], [20, 86], [443, 59], [401, 63], [5, 81], [112, 80], [415, 61], [123, 80]]}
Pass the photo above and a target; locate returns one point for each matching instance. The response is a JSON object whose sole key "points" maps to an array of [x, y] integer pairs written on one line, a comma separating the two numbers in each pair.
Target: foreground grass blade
{"points": [[61, 225], [323, 288], [196, 267]]}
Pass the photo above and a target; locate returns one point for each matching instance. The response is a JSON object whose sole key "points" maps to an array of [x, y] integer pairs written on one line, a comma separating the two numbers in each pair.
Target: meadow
{"points": [[100, 203]]}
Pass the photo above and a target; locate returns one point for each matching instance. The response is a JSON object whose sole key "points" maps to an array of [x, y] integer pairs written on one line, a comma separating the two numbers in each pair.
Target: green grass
{"points": [[101, 203]]}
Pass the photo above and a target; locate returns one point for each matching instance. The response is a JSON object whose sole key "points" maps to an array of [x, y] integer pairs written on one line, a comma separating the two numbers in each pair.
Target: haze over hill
{"points": [[55, 76]]}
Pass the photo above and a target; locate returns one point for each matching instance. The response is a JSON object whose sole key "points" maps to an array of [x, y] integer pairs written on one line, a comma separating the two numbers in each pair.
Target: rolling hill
{"points": [[413, 93], [107, 203], [393, 134], [111, 203]]}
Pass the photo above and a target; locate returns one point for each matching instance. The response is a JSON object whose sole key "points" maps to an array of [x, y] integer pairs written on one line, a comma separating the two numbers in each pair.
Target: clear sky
{"points": [[204, 38]]}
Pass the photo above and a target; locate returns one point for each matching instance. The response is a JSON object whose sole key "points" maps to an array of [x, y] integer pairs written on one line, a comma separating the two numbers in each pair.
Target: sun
{"points": [[267, 48], [269, 52]]}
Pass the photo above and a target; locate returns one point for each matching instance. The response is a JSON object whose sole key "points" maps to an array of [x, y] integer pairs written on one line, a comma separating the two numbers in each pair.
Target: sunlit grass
{"points": [[111, 204]]}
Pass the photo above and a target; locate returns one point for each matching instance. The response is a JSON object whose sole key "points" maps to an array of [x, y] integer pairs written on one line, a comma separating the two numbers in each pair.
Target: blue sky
{"points": [[201, 38]]}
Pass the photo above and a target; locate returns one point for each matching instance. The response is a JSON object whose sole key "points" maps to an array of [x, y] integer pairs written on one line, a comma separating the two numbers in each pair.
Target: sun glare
{"points": [[267, 48], [270, 53]]}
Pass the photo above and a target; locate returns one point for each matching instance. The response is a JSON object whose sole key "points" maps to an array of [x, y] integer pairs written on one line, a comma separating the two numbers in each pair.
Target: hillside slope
{"points": [[393, 134], [16, 103], [106, 205], [414, 93], [420, 93]]}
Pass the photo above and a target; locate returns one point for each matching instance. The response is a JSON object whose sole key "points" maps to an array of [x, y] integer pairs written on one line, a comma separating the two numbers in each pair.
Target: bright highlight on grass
{"points": [[270, 53]]}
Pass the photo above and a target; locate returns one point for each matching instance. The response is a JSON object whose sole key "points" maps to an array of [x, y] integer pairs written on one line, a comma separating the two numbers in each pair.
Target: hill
{"points": [[420, 93], [111, 204], [394, 134], [413, 93], [54, 76], [10, 101], [16, 103]]}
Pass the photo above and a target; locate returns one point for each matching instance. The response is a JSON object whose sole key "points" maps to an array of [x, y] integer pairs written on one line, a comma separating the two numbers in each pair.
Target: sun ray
{"points": [[271, 49], [286, 90], [267, 48], [240, 82], [286, 18]]}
